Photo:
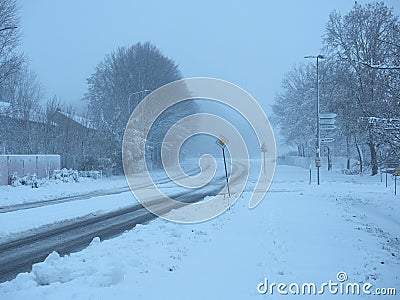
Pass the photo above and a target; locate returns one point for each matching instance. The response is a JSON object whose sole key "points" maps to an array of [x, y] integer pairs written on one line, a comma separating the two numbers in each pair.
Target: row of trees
{"points": [[30, 125], [359, 81]]}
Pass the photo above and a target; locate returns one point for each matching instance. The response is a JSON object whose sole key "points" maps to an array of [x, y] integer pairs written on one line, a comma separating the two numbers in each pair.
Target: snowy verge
{"points": [[10, 195], [300, 233]]}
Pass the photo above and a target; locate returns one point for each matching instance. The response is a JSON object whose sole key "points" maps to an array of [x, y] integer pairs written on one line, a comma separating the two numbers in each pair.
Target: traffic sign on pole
{"points": [[327, 140], [263, 150], [222, 143], [327, 121], [327, 116], [328, 127], [318, 162]]}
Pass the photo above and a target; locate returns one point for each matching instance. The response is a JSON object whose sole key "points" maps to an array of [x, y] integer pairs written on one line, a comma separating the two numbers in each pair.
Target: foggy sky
{"points": [[250, 43]]}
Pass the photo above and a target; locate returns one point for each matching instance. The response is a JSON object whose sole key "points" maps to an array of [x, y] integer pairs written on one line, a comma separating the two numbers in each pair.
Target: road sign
{"points": [[327, 127], [318, 162], [327, 140], [327, 121], [220, 142], [327, 116], [263, 150]]}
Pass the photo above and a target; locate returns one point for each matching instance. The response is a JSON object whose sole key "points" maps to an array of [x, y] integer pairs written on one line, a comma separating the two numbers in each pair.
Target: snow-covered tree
{"points": [[362, 42], [295, 109], [118, 84], [10, 59]]}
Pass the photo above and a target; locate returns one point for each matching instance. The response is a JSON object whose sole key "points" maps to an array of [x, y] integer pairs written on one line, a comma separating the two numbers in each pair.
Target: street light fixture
{"points": [[318, 144]]}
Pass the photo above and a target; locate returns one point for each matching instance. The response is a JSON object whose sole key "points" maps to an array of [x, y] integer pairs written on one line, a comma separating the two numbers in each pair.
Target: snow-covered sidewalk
{"points": [[300, 233]]}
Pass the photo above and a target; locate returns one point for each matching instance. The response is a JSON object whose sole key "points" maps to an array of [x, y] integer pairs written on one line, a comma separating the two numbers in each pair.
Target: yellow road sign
{"points": [[222, 141]]}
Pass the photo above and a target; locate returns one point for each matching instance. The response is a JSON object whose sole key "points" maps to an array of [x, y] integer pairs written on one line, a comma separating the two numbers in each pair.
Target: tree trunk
{"points": [[328, 154], [360, 156], [374, 160], [348, 151], [329, 159]]}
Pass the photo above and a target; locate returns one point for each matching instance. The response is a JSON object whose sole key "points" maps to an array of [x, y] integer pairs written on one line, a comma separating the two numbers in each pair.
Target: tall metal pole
{"points": [[318, 133], [318, 142]]}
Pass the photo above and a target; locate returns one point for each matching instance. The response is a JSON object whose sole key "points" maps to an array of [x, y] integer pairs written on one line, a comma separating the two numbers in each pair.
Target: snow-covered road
{"points": [[300, 233]]}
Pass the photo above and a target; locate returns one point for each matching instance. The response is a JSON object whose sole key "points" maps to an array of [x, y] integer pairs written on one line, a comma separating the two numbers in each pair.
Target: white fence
{"points": [[41, 165], [338, 162]]}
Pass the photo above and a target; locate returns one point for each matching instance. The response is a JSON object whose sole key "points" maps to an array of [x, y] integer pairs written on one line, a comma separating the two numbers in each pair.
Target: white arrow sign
{"points": [[327, 140], [327, 127], [327, 121], [327, 116]]}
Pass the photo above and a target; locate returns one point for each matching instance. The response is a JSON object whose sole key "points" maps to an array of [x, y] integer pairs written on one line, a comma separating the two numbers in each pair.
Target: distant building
{"points": [[61, 133]]}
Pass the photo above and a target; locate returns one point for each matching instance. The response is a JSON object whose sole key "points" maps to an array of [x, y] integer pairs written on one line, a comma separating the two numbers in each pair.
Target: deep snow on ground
{"points": [[300, 233]]}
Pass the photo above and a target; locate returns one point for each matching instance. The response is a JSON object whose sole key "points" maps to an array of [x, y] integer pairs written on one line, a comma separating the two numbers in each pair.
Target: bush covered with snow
{"points": [[65, 175], [90, 174], [30, 180]]}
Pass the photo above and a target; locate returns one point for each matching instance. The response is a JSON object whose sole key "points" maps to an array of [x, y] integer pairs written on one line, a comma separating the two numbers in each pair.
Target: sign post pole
{"points": [[226, 171], [263, 150], [222, 143]]}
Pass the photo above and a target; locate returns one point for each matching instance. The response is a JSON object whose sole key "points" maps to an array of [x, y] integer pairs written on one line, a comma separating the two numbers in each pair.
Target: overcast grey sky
{"points": [[250, 43]]}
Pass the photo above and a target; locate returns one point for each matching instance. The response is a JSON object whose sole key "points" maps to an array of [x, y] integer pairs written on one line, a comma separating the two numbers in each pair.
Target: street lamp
{"points": [[135, 93], [318, 144]]}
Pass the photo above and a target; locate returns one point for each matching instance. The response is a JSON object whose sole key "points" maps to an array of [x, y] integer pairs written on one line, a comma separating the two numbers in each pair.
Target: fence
{"points": [[41, 165]]}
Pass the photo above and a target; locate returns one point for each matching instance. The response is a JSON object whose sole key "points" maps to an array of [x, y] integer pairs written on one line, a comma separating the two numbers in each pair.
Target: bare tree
{"points": [[10, 59], [358, 41], [23, 92]]}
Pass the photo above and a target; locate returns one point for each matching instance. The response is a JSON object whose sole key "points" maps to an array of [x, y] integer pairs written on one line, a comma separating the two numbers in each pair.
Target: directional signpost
{"points": [[328, 127], [222, 143], [327, 140], [326, 121], [327, 116]]}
